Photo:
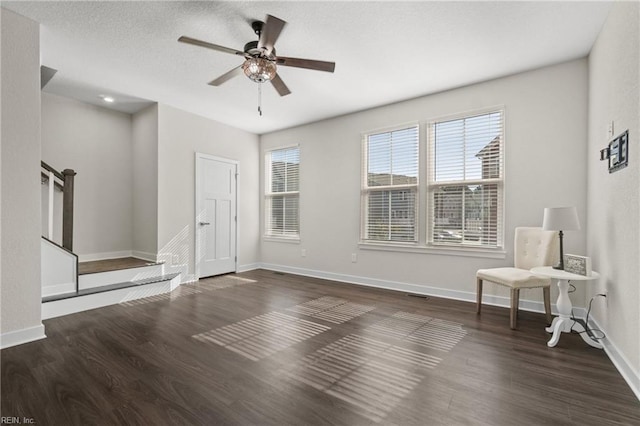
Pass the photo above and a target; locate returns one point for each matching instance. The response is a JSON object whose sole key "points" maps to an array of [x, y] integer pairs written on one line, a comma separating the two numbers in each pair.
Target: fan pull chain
{"points": [[260, 99]]}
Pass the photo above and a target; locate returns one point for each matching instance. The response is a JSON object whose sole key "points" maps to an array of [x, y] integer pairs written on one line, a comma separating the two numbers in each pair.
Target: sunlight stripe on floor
{"points": [[331, 309], [372, 376], [262, 336], [421, 329], [220, 282], [183, 290]]}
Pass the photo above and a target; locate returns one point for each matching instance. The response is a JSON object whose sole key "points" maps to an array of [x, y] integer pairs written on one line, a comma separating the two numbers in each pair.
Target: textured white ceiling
{"points": [[384, 51]]}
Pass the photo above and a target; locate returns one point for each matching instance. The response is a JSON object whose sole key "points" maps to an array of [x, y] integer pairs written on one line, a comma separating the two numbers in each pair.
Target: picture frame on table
{"points": [[575, 264]]}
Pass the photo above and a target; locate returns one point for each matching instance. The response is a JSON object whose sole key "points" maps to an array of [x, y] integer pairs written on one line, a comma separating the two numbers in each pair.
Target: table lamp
{"points": [[560, 219]]}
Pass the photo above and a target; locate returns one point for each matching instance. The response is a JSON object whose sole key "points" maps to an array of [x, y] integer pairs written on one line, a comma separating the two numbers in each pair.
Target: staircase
{"points": [[125, 280], [69, 286]]}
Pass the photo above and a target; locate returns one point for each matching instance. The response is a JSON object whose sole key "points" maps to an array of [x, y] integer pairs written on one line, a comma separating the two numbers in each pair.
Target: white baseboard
{"points": [[248, 267], [151, 257], [104, 256], [466, 296], [625, 368], [18, 337]]}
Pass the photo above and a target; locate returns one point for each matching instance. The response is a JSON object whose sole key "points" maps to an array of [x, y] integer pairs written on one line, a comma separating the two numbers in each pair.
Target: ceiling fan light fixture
{"points": [[259, 69]]}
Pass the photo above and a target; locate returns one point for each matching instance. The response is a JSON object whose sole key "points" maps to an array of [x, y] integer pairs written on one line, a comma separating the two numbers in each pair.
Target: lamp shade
{"points": [[560, 219]]}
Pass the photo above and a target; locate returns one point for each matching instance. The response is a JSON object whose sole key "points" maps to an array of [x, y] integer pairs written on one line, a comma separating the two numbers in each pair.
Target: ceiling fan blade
{"points": [[270, 33], [196, 42], [226, 76], [279, 85], [306, 63]]}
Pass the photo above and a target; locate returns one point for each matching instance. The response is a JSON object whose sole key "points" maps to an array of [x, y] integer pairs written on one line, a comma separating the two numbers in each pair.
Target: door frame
{"points": [[198, 156]]}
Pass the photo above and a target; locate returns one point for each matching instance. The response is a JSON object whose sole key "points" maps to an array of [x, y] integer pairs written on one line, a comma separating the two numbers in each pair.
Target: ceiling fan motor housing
{"points": [[252, 49]]}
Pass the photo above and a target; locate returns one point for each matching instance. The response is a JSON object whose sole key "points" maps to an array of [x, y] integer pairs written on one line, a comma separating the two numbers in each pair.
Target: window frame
{"points": [[365, 189], [431, 184], [269, 195], [423, 243]]}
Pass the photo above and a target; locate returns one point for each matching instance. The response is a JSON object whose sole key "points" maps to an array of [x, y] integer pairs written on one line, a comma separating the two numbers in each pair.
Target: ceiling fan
{"points": [[261, 61]]}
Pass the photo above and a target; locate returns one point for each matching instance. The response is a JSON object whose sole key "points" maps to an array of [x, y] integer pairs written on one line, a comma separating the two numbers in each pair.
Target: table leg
{"points": [[562, 323], [553, 325], [591, 342]]}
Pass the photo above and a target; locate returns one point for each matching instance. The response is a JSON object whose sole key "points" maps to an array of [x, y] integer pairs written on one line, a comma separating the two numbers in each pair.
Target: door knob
{"points": [[204, 223]]}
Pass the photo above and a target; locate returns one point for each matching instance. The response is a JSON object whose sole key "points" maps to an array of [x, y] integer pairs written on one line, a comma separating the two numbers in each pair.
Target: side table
{"points": [[563, 322]]}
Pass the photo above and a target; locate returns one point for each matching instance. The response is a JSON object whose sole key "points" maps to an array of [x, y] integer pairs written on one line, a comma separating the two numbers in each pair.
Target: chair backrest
{"points": [[535, 247]]}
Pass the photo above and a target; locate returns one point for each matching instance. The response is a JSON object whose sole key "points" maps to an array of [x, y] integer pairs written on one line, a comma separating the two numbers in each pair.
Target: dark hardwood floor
{"points": [[260, 348]]}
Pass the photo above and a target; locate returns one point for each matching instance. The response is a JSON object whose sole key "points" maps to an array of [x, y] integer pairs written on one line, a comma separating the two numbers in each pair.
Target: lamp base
{"points": [[560, 264]]}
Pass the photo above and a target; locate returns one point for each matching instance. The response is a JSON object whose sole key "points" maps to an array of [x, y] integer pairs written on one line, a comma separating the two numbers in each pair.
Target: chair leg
{"points": [[546, 291], [515, 300], [479, 296]]}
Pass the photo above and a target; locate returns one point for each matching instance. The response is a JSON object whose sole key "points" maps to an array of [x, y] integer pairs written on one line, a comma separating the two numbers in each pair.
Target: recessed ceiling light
{"points": [[107, 99]]}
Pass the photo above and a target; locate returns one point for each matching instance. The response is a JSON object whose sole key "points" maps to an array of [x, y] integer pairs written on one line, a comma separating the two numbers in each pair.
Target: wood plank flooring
{"points": [[107, 265], [260, 348]]}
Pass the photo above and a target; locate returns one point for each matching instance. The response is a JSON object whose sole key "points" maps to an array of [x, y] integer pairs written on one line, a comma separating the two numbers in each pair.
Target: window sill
{"points": [[274, 239], [437, 250]]}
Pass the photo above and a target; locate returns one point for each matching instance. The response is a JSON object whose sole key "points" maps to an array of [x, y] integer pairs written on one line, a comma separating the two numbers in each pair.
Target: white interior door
{"points": [[215, 215]]}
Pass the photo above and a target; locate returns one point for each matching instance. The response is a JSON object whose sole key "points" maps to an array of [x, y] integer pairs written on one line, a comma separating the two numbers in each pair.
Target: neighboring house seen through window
{"points": [[282, 168], [466, 181]]}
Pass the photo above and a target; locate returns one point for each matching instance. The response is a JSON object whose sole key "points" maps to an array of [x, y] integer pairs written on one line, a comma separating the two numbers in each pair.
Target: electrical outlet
{"points": [[303, 252], [354, 257]]}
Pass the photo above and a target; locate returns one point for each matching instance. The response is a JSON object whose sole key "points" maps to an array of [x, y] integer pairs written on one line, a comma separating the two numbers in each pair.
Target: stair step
{"points": [[107, 278], [110, 287], [69, 303]]}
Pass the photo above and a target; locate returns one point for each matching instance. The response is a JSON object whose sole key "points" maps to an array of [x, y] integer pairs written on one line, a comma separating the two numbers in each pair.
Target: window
{"points": [[390, 186], [282, 168], [466, 181]]}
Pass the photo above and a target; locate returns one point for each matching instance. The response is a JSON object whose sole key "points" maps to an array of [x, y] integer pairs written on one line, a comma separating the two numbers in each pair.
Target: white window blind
{"points": [[282, 192], [466, 181], [390, 186]]}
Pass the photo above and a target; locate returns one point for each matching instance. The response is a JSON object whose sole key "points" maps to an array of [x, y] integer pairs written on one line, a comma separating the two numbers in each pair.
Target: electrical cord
{"points": [[590, 331]]}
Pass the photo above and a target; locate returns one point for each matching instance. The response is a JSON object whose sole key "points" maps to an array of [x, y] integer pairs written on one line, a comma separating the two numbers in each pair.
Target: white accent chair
{"points": [[533, 247]]}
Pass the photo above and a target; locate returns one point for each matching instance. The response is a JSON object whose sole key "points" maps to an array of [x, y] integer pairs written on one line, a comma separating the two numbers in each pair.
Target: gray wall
{"points": [[145, 182], [545, 134], [614, 201], [20, 247], [181, 135], [96, 143]]}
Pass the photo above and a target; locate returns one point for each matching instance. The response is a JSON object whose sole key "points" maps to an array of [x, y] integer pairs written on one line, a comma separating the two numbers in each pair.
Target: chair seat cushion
{"points": [[513, 277]]}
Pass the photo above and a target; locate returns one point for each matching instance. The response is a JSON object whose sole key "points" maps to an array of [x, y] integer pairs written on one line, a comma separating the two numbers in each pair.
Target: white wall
{"points": [[145, 182], [181, 134], [96, 143], [614, 201], [545, 137], [20, 318]]}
